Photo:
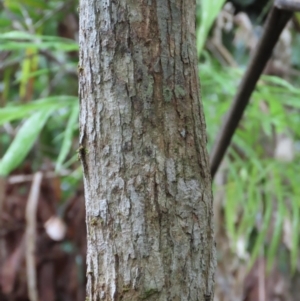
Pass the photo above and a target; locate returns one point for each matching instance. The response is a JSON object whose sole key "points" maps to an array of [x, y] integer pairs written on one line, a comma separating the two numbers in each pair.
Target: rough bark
{"points": [[143, 151]]}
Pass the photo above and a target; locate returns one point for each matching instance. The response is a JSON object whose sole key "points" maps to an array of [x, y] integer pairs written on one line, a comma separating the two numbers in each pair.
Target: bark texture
{"points": [[143, 151]]}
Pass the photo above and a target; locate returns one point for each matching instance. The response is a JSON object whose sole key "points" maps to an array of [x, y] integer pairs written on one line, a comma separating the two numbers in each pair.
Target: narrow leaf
{"points": [[259, 243], [23, 142], [10, 113], [68, 135]]}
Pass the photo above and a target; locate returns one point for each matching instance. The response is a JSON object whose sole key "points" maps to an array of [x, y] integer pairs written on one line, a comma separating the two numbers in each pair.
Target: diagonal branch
{"points": [[275, 23]]}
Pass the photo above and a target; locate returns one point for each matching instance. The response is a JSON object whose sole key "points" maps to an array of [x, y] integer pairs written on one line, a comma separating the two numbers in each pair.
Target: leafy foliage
{"points": [[37, 61], [260, 191]]}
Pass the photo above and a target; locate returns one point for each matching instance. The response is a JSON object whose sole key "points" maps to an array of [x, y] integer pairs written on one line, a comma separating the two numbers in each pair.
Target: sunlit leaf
{"points": [[23, 142], [208, 13], [10, 113], [18, 40]]}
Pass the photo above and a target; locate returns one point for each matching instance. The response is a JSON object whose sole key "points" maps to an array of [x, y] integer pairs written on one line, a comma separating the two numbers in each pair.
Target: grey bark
{"points": [[143, 151]]}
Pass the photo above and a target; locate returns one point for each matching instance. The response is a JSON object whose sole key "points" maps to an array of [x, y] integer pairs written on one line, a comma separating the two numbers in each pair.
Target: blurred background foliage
{"points": [[39, 105], [257, 191]]}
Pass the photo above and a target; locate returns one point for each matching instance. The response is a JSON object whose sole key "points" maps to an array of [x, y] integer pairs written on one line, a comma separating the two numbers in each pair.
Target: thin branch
{"points": [[275, 23], [31, 209], [2, 200], [28, 178]]}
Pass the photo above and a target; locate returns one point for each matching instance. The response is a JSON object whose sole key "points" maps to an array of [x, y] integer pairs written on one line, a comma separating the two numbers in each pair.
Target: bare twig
{"points": [[2, 198], [2, 192], [28, 178], [31, 209], [261, 281], [221, 52]]}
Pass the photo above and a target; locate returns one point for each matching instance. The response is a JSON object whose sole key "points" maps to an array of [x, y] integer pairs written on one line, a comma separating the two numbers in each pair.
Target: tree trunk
{"points": [[143, 151]]}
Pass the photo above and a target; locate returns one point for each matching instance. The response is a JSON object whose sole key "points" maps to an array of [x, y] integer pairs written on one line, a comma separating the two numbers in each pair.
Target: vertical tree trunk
{"points": [[143, 151]]}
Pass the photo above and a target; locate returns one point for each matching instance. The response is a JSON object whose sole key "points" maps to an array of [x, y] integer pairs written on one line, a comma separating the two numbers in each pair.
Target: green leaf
{"points": [[18, 40], [29, 64], [23, 142], [295, 224], [18, 112], [280, 214], [208, 13], [230, 209], [11, 45], [250, 206], [234, 194], [275, 80], [33, 3], [36, 74], [259, 243], [68, 135]]}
